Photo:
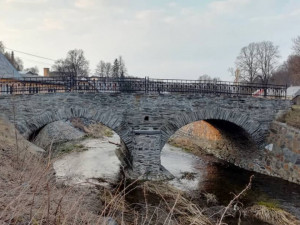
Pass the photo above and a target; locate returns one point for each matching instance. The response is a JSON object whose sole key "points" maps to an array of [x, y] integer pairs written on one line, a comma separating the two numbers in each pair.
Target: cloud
{"points": [[227, 6], [26, 1], [180, 39], [148, 14], [51, 24], [85, 4]]}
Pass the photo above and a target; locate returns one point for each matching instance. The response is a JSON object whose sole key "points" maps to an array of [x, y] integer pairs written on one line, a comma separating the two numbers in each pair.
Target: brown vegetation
{"points": [[288, 73], [271, 215], [292, 117], [96, 130], [30, 195]]}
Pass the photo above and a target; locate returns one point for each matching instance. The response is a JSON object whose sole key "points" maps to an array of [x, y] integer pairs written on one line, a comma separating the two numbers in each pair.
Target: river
{"points": [[210, 174]]}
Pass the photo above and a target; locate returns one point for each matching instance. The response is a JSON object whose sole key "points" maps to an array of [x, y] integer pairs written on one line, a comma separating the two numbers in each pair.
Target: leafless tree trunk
{"points": [[296, 46], [101, 69], [75, 65], [247, 63], [267, 59]]}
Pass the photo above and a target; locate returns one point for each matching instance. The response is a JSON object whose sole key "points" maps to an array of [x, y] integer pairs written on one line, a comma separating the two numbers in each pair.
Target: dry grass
{"points": [[181, 208], [150, 203], [99, 131], [272, 215], [96, 130], [292, 117], [30, 195]]}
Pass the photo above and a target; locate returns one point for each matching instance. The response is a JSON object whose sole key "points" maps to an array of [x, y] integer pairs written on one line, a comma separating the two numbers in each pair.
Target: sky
{"points": [[156, 38]]}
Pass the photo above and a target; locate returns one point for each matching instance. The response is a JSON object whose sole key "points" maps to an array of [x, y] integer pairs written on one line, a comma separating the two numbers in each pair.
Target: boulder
{"points": [[57, 132]]}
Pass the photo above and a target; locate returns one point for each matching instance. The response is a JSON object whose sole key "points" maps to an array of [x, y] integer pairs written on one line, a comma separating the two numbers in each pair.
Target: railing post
{"points": [[146, 84]]}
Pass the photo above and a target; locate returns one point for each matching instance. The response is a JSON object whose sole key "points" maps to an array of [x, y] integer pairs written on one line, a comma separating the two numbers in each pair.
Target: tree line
{"points": [[76, 65], [16, 62], [259, 62]]}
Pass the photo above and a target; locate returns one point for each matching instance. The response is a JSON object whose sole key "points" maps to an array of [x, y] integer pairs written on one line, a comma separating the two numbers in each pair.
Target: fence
{"points": [[33, 85]]}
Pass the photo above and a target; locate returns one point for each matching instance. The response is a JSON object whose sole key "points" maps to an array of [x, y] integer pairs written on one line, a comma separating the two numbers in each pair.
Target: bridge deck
{"points": [[31, 85]]}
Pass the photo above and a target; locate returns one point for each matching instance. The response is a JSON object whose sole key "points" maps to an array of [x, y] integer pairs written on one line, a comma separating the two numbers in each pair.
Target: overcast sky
{"points": [[157, 38]]}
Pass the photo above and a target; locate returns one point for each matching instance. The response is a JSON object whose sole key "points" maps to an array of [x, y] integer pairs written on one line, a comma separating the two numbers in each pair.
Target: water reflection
{"points": [[209, 174]]}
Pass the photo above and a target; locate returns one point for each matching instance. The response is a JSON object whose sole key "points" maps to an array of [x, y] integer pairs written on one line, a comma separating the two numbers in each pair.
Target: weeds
{"points": [[269, 204], [188, 175], [292, 117], [271, 215], [68, 147]]}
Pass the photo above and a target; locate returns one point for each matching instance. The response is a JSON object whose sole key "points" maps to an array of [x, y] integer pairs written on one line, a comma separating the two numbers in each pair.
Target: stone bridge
{"points": [[144, 122]]}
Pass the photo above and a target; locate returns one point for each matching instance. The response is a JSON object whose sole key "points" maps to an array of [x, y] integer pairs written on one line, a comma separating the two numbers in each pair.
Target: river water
{"points": [[209, 174]]}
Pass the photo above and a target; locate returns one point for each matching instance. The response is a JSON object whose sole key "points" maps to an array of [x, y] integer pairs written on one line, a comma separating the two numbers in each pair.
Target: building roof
{"points": [[297, 93], [28, 73], [7, 70], [291, 91]]}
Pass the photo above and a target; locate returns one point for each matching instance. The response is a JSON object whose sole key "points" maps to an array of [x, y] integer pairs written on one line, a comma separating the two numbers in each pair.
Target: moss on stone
{"points": [[68, 147], [271, 204]]}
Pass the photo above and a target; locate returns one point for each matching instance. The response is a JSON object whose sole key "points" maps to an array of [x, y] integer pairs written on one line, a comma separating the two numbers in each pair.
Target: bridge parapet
{"points": [[144, 122], [33, 85]]}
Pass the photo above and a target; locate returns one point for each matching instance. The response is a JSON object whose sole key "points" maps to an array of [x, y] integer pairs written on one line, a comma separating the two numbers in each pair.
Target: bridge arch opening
{"points": [[214, 134], [99, 153], [223, 139]]}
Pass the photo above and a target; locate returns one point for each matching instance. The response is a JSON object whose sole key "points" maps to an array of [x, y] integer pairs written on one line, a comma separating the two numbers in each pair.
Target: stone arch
{"points": [[105, 116], [253, 128]]}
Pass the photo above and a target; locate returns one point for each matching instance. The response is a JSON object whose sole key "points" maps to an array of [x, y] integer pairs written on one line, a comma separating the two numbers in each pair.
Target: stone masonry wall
{"points": [[155, 117], [283, 153], [281, 157]]}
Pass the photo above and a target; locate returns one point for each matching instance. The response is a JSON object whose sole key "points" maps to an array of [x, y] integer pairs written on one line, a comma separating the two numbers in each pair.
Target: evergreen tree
{"points": [[115, 69], [122, 68]]}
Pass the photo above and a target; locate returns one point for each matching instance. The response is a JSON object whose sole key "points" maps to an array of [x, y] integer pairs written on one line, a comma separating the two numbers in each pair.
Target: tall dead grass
{"points": [[29, 194], [274, 216]]}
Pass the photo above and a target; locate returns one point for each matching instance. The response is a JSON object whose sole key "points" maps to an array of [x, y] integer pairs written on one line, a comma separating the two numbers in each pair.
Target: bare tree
{"points": [[75, 65], [247, 63], [208, 79], [117, 69], [281, 75], [288, 73], [293, 64], [108, 69], [205, 77], [101, 69], [267, 55], [296, 46], [34, 70]]}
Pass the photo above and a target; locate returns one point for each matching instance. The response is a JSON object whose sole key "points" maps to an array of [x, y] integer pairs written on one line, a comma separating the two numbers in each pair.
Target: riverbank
{"points": [[31, 194]]}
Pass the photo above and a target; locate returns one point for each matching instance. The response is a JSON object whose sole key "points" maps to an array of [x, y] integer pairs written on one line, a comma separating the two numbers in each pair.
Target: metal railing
{"points": [[33, 85]]}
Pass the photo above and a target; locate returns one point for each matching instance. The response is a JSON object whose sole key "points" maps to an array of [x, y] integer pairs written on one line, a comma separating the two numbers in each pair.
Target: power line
{"points": [[30, 54], [39, 62]]}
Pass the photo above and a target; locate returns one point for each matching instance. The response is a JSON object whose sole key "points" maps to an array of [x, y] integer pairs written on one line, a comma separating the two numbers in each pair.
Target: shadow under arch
{"points": [[106, 117], [253, 130]]}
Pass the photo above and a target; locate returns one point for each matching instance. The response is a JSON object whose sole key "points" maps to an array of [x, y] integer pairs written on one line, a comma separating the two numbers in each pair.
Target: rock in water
{"points": [[56, 132]]}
